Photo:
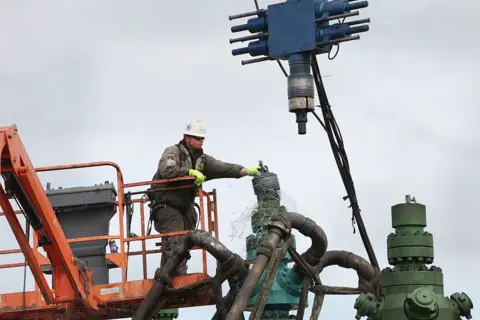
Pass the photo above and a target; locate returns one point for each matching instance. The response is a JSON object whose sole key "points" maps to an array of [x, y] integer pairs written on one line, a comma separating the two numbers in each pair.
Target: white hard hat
{"points": [[195, 128]]}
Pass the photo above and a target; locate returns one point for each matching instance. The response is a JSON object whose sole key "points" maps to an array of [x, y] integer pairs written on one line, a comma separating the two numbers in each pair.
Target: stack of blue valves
{"points": [[296, 26], [296, 30]]}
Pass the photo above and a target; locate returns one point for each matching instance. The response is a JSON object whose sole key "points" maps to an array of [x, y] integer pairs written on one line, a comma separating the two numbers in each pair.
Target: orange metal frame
{"points": [[74, 292]]}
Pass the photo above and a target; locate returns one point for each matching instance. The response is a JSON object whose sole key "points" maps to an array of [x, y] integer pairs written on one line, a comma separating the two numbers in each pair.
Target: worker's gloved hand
{"points": [[200, 178], [253, 171]]}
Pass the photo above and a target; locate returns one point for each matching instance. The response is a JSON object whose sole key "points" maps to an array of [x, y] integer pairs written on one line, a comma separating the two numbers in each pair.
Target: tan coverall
{"points": [[173, 210]]}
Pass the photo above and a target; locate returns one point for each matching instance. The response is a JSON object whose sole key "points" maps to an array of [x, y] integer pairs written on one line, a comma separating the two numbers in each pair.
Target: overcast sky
{"points": [[117, 80]]}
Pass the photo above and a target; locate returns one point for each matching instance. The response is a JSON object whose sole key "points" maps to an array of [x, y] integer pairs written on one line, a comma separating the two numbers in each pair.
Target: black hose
{"points": [[234, 283], [254, 275], [227, 302], [199, 238], [340, 155], [308, 228], [345, 259], [206, 241], [148, 308]]}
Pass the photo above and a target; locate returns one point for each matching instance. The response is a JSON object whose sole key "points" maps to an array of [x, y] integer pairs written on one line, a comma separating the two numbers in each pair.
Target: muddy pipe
{"points": [[309, 228], [199, 238], [235, 283], [279, 227], [255, 273], [348, 260], [147, 309]]}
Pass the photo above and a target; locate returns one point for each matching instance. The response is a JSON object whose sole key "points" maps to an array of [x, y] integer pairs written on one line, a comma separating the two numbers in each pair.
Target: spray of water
{"points": [[241, 226]]}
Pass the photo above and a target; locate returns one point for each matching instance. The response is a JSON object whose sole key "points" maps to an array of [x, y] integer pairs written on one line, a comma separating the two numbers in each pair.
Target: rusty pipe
{"points": [[254, 275], [348, 260]]}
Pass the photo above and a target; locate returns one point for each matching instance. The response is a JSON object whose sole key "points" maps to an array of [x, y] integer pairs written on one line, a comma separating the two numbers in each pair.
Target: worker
{"points": [[174, 210]]}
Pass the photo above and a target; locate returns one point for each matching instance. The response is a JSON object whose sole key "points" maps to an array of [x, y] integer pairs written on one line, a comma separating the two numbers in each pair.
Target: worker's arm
{"points": [[216, 169], [243, 172], [169, 164]]}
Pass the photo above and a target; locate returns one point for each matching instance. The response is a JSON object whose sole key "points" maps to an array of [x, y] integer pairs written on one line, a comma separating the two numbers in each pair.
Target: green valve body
{"points": [[411, 290]]}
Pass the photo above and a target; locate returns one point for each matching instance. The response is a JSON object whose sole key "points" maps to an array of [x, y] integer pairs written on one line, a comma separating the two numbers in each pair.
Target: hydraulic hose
{"points": [[200, 238], [206, 241], [227, 301], [308, 228], [345, 259], [279, 226], [254, 275], [147, 309]]}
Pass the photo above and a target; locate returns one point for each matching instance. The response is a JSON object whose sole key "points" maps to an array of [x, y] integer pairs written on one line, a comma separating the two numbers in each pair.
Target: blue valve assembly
{"points": [[295, 30]]}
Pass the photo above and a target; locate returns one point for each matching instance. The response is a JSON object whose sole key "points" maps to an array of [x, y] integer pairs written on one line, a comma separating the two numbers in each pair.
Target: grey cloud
{"points": [[92, 81]]}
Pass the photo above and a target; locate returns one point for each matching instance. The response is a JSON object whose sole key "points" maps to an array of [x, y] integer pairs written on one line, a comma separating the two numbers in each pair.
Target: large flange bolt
{"points": [[463, 304], [367, 306]]}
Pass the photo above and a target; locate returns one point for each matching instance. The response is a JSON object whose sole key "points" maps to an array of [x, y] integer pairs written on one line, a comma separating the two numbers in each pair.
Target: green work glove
{"points": [[253, 171], [200, 178]]}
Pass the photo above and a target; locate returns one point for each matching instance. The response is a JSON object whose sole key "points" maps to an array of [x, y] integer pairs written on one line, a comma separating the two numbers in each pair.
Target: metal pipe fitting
{"points": [[348, 260]]}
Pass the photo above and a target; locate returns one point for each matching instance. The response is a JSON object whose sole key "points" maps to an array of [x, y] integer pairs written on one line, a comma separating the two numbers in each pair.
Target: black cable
{"points": [[129, 209], [24, 293], [282, 68], [337, 44], [336, 143]]}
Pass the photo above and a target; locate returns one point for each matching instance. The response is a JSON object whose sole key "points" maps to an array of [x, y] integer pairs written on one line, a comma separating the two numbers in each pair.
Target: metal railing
{"points": [[207, 221]]}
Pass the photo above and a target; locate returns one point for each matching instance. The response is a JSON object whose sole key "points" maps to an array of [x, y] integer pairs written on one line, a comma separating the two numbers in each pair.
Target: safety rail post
{"points": [[215, 213], [22, 264], [202, 224], [142, 231], [212, 209], [143, 237]]}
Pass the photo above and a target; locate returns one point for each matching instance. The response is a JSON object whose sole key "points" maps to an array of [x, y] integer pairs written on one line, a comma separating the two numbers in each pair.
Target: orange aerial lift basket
{"points": [[74, 295]]}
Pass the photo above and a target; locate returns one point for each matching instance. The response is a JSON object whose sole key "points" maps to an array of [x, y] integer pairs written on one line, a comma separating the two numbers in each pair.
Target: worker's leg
{"points": [[189, 223], [191, 218], [170, 220]]}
